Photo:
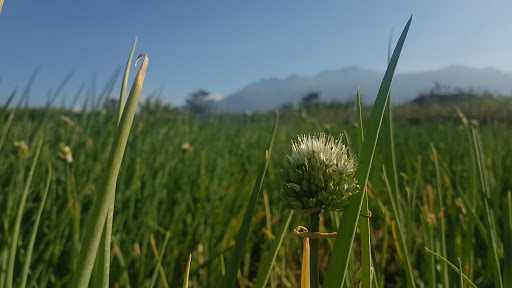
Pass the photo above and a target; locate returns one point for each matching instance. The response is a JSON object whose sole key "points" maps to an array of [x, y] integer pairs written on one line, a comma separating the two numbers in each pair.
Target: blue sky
{"points": [[223, 45]]}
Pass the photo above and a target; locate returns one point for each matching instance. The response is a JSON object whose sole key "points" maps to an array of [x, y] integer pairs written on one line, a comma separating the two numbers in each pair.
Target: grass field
{"points": [[174, 199]]}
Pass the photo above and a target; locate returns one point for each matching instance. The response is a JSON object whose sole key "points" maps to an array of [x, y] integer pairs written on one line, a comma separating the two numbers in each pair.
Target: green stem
{"points": [[314, 223]]}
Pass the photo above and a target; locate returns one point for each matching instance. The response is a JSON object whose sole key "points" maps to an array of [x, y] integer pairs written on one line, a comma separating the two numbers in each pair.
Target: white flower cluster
{"points": [[321, 173], [322, 148]]}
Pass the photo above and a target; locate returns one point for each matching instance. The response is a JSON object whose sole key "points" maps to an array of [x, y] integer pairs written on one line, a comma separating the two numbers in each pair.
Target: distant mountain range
{"points": [[341, 85]]}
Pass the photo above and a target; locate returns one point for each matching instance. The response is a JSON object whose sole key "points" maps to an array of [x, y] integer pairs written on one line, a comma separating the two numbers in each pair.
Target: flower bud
{"points": [[65, 153], [22, 149], [321, 173]]}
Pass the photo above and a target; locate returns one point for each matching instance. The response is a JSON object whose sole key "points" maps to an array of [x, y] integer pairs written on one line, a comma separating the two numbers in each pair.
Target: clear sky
{"points": [[223, 45]]}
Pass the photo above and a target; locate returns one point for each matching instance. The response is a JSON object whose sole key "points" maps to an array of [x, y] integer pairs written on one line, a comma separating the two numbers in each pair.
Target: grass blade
{"points": [[5, 129], [103, 264], [158, 268], [360, 120], [124, 83], [187, 271], [337, 267], [19, 216], [451, 265], [265, 268], [400, 232], [394, 191], [493, 241], [30, 249], [364, 223], [104, 201], [507, 265], [243, 234], [442, 222]]}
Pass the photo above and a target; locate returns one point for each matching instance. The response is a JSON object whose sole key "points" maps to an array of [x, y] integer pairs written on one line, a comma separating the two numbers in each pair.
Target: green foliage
{"points": [[198, 195]]}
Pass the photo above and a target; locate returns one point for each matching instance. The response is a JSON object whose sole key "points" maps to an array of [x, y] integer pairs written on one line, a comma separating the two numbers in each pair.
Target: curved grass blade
{"points": [[451, 265], [103, 263], [19, 216], [96, 222], [360, 120], [30, 249], [265, 268], [124, 84], [337, 267], [393, 190], [158, 268], [400, 231], [442, 221], [187, 272], [6, 128], [243, 234], [507, 265], [484, 182], [364, 223]]}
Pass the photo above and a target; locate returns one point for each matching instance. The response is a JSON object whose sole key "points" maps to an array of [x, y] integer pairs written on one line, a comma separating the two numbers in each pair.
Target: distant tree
{"points": [[154, 105], [310, 98], [287, 107], [198, 102], [111, 104]]}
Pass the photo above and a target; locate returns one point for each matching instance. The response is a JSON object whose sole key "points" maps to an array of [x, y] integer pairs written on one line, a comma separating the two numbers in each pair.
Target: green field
{"points": [[174, 199]]}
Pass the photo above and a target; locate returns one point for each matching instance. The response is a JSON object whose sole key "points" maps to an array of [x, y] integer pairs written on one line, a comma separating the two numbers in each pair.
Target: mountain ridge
{"points": [[341, 84]]}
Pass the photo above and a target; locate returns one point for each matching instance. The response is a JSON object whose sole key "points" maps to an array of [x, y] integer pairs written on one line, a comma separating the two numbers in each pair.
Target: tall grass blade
{"points": [[337, 267], [243, 234], [19, 216], [400, 233], [360, 120], [158, 268], [507, 265], [124, 82], [96, 222], [187, 271], [30, 248], [391, 175], [442, 222], [25, 96], [364, 223], [10, 99], [265, 268], [5, 129], [453, 266], [492, 237], [103, 263]]}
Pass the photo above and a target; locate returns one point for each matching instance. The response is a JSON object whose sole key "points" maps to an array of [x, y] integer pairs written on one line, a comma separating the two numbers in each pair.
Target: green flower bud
{"points": [[321, 173]]}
